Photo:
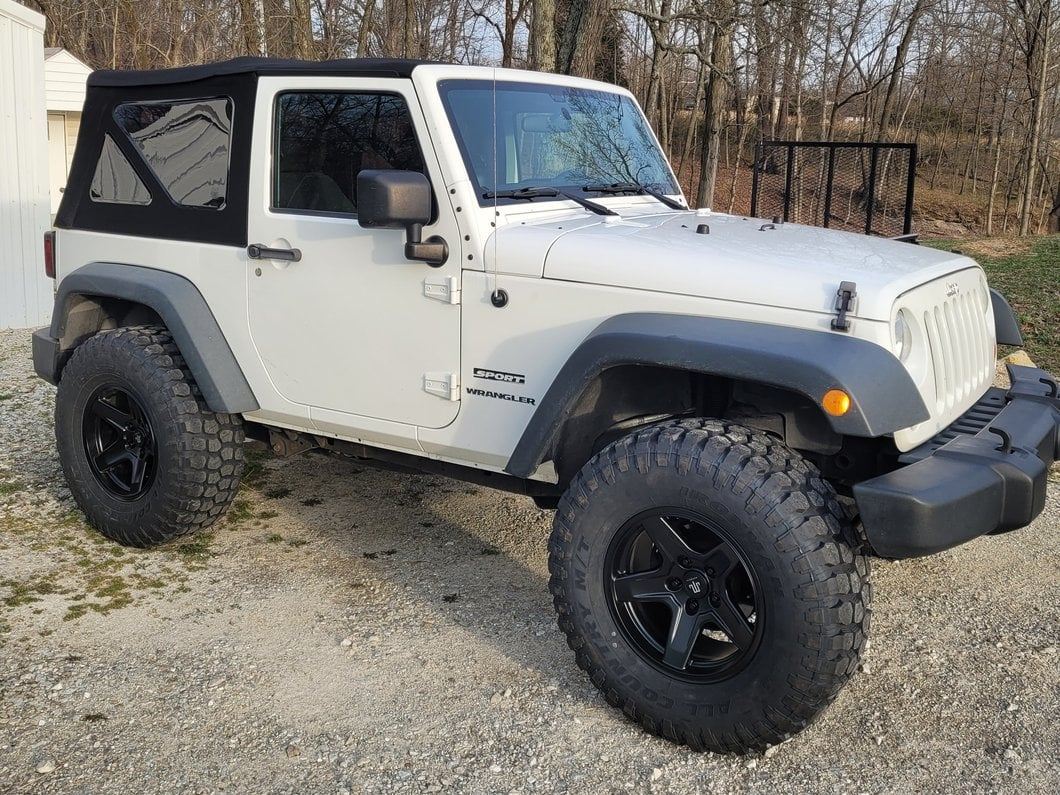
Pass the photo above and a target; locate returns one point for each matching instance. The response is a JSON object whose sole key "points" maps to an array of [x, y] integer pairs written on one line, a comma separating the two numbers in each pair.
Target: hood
{"points": [[747, 260]]}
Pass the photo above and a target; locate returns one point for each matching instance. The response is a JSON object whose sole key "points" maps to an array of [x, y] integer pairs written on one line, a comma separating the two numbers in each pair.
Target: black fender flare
{"points": [[185, 313], [883, 397], [1006, 327]]}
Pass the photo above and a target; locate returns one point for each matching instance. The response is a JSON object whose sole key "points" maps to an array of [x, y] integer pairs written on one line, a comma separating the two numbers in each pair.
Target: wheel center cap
{"points": [[695, 583]]}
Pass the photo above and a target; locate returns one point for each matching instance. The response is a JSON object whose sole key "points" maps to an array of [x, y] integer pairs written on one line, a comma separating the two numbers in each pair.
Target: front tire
{"points": [[145, 458], [709, 584]]}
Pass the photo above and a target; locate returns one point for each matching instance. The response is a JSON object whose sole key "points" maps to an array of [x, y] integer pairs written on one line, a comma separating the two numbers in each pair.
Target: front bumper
{"points": [[986, 473]]}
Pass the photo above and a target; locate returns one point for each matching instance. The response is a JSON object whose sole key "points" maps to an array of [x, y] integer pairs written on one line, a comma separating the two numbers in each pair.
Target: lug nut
{"points": [[673, 583], [684, 561], [693, 606], [715, 599], [710, 571]]}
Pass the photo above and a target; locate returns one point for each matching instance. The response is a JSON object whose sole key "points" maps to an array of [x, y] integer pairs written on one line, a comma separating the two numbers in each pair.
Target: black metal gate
{"points": [[860, 187]]}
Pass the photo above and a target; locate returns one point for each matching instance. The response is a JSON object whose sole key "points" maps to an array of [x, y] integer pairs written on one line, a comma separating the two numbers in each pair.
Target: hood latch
{"points": [[844, 302]]}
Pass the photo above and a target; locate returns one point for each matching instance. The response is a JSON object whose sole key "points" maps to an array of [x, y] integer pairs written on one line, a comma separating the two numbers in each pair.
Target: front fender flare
{"points": [[185, 313], [883, 397]]}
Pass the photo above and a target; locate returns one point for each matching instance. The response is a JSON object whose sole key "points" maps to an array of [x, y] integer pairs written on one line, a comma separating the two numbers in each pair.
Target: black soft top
{"points": [[346, 67]]}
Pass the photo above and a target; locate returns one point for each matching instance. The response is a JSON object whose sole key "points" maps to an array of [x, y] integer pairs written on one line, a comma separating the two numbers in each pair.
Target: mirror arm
{"points": [[434, 251]]}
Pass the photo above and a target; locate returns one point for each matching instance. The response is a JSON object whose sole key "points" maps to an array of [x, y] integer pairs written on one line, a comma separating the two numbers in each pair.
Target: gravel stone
{"points": [[257, 626]]}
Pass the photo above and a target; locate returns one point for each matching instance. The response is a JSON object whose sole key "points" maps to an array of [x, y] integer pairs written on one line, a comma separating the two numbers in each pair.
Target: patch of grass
{"points": [[24, 592], [275, 538], [268, 514], [309, 502], [278, 494], [239, 511], [7, 489], [1027, 272], [197, 548], [297, 542], [6, 397], [254, 473]]}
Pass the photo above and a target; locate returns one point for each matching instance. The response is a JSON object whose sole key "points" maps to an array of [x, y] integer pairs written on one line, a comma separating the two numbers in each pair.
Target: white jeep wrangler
{"points": [[492, 275]]}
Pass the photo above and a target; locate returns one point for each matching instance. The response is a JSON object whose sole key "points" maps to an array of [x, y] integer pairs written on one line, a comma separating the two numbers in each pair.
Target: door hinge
{"points": [[442, 288], [444, 385]]}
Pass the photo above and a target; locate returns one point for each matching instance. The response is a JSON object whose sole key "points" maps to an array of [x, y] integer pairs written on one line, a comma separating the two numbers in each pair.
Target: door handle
{"points": [[258, 251]]}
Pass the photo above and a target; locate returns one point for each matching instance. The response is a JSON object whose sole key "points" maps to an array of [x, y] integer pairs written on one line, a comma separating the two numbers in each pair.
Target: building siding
{"points": [[25, 293]]}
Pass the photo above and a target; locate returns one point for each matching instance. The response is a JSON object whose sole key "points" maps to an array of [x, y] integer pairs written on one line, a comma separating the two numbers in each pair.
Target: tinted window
{"points": [[324, 140], [115, 182], [186, 144]]}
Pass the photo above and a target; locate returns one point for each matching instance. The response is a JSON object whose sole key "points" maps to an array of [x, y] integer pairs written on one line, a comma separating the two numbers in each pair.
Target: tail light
{"points": [[49, 254]]}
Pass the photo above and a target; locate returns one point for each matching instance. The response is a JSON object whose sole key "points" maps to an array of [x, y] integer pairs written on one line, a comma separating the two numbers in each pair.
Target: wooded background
{"points": [[975, 83]]}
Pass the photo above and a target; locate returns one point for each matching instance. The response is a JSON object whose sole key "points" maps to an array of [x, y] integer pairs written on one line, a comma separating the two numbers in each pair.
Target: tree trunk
{"points": [[1054, 214], [900, 56], [543, 36], [716, 101], [1037, 74]]}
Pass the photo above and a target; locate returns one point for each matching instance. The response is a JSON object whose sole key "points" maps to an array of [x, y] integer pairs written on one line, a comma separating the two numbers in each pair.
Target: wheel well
{"points": [[627, 397], [84, 316]]}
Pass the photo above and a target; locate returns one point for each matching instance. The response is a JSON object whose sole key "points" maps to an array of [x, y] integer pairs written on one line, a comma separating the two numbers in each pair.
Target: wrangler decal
{"points": [[501, 396]]}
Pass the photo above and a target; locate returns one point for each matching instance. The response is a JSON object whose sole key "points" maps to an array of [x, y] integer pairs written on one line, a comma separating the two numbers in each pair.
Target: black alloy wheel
{"points": [[683, 595], [119, 443]]}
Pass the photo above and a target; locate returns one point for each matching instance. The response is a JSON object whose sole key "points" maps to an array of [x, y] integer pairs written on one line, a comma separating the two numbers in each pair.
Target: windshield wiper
{"points": [[521, 193], [542, 192], [636, 188]]}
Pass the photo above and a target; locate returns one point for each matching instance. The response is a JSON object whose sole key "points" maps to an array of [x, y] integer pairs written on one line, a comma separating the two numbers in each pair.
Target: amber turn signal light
{"points": [[836, 402]]}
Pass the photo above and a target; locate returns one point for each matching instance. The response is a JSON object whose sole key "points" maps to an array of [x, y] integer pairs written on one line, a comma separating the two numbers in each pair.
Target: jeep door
{"points": [[343, 323]]}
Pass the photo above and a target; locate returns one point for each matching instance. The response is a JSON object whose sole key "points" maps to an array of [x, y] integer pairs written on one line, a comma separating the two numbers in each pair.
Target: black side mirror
{"points": [[400, 200]]}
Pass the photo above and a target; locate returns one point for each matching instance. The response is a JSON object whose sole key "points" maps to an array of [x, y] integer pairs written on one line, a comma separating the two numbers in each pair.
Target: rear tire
{"points": [[145, 458], [708, 582]]}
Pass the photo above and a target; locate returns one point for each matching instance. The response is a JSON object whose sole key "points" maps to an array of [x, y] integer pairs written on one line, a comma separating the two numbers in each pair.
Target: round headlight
{"points": [[903, 335]]}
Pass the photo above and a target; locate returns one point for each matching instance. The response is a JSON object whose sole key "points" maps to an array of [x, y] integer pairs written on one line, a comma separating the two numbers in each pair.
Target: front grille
{"points": [[961, 354]]}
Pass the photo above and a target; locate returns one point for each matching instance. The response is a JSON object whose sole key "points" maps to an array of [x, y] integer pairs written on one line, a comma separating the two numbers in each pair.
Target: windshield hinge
{"points": [[844, 303]]}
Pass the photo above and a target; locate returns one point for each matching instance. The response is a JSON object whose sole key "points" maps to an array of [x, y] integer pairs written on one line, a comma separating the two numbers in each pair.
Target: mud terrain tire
{"points": [[145, 458], [709, 583]]}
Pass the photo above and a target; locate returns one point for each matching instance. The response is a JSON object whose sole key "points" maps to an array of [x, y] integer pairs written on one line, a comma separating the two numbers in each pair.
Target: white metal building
{"points": [[25, 292], [65, 78]]}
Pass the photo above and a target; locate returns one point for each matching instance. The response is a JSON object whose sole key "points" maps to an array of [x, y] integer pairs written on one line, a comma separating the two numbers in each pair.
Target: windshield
{"points": [[551, 136]]}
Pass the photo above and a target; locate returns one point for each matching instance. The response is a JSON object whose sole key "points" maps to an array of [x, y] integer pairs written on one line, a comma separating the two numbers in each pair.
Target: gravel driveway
{"points": [[352, 630]]}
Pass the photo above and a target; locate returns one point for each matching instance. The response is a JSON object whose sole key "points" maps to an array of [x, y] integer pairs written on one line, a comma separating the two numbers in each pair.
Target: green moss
{"points": [[7, 489], [239, 512], [197, 548], [275, 538]]}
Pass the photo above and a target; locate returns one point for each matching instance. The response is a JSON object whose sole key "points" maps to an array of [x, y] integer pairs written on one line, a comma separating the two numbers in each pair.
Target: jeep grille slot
{"points": [[961, 356]]}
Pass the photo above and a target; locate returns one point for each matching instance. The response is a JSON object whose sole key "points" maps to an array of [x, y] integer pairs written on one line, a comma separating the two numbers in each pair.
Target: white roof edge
{"points": [[61, 53], [20, 13]]}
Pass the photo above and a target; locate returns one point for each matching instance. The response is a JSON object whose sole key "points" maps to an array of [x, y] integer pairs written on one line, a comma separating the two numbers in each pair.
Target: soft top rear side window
{"points": [[115, 180], [186, 143]]}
